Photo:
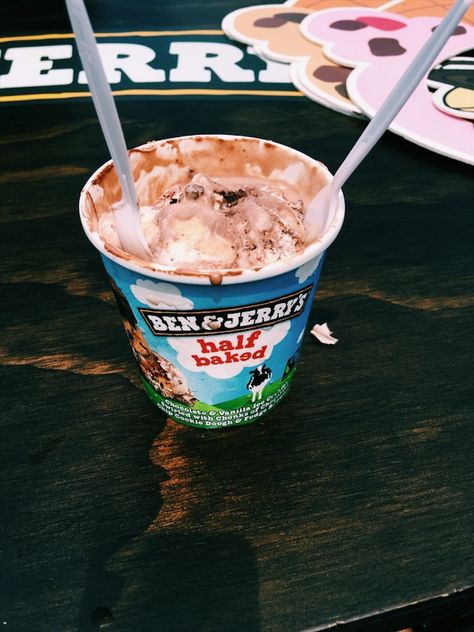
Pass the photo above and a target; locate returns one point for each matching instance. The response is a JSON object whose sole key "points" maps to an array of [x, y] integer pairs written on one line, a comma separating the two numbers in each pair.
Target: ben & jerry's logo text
{"points": [[219, 321]]}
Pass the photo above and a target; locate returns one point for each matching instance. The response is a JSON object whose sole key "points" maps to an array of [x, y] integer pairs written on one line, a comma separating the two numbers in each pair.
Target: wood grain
{"points": [[350, 504]]}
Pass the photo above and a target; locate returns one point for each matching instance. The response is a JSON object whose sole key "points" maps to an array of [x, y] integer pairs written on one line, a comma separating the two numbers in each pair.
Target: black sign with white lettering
{"points": [[140, 64], [221, 321]]}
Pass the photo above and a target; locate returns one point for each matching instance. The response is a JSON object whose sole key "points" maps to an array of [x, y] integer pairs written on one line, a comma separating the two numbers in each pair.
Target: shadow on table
{"points": [[178, 581]]}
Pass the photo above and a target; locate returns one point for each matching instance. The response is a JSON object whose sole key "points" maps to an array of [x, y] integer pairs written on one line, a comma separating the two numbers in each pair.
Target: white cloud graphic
{"points": [[307, 269], [198, 356], [160, 295]]}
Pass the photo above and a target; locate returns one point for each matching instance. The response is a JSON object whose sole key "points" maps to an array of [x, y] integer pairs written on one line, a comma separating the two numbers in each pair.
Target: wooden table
{"points": [[350, 504]]}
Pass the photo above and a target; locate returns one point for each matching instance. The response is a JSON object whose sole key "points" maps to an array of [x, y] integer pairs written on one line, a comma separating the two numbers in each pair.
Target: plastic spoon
{"points": [[322, 207], [126, 216]]}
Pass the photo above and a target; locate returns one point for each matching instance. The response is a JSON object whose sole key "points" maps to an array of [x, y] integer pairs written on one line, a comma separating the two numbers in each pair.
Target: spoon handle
{"points": [[102, 97], [400, 93]]}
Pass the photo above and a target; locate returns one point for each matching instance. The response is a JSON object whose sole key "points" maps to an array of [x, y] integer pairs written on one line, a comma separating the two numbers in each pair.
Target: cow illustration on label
{"points": [[258, 380]]}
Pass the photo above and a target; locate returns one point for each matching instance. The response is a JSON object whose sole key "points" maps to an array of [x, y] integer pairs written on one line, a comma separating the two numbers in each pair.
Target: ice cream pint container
{"points": [[215, 348]]}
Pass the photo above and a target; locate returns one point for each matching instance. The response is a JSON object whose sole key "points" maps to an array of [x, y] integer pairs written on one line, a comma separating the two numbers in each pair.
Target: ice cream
{"points": [[216, 317], [221, 223], [210, 204]]}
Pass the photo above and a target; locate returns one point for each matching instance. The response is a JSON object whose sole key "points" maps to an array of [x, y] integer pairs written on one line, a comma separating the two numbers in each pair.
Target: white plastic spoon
{"points": [[321, 209], [126, 216]]}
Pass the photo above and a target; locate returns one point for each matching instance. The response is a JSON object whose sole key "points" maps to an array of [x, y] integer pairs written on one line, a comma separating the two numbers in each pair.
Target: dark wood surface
{"points": [[351, 502]]}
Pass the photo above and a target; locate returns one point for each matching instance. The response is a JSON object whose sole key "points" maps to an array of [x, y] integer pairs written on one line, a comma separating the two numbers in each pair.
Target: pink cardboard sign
{"points": [[379, 46], [273, 30]]}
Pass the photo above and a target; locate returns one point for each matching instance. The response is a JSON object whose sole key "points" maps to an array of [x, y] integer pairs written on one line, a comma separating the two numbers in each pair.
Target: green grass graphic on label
{"points": [[233, 412]]}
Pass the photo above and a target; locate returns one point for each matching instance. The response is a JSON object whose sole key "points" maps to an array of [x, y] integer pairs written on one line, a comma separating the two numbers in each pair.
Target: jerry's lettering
{"points": [[265, 314], [219, 321]]}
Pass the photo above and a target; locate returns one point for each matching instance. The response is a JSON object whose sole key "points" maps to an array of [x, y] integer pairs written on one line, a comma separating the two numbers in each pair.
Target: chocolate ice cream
{"points": [[222, 223]]}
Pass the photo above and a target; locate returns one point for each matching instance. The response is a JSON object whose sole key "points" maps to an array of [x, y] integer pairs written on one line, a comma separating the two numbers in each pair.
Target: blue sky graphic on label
{"points": [[217, 366]]}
